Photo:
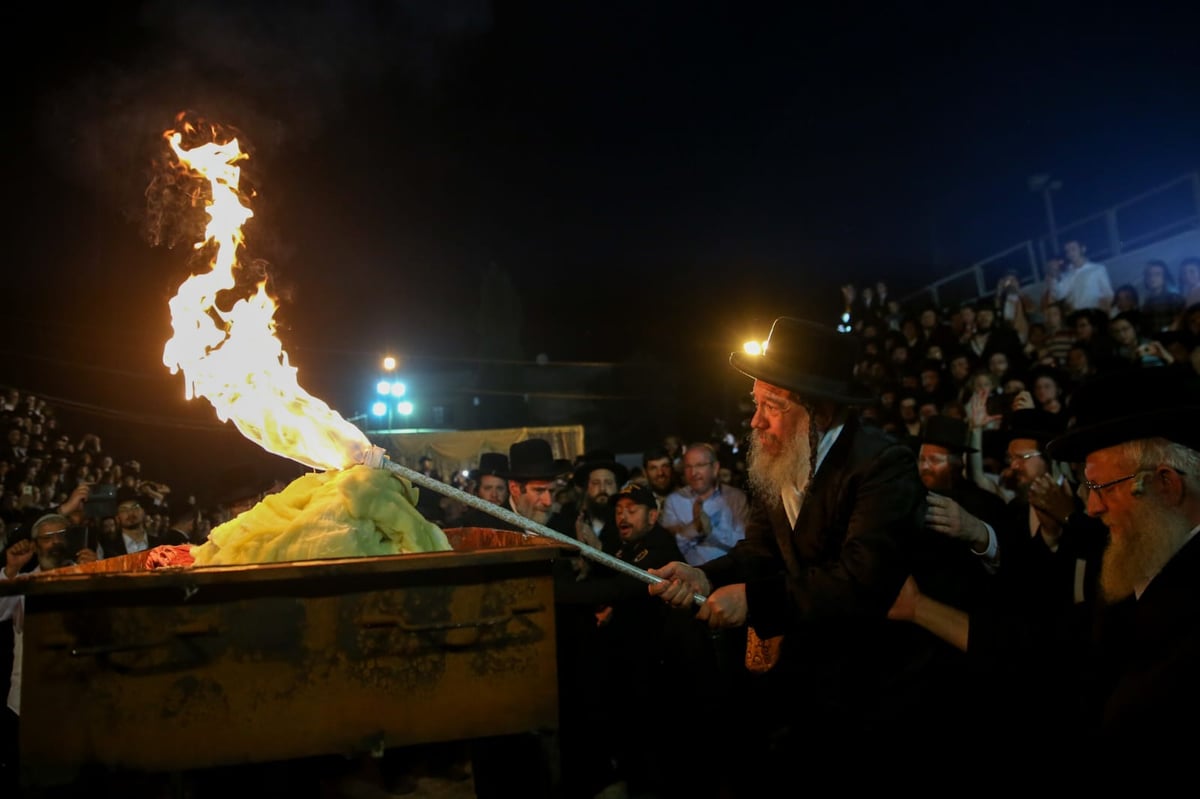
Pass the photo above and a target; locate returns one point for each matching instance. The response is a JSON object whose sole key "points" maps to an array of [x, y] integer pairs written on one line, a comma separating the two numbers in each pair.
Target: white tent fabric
{"points": [[459, 450]]}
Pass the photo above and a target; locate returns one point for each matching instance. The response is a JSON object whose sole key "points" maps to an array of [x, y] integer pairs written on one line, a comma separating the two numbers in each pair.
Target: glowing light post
{"points": [[390, 395]]}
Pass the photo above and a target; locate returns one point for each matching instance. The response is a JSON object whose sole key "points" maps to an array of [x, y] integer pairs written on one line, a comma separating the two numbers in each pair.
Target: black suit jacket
{"points": [[1151, 657], [827, 584]]}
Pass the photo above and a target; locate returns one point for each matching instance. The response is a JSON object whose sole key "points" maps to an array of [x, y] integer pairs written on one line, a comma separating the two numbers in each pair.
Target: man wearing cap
{"points": [[828, 545], [1139, 441]]}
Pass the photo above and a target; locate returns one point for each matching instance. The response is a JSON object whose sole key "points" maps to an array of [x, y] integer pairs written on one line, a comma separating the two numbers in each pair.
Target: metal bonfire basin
{"points": [[188, 668]]}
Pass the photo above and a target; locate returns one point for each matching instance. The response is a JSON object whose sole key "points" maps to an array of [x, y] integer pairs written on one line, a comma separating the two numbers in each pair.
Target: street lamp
{"points": [[1045, 184], [389, 388]]}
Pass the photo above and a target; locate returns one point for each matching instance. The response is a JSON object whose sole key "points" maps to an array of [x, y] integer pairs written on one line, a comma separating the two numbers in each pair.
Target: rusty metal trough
{"points": [[188, 668]]}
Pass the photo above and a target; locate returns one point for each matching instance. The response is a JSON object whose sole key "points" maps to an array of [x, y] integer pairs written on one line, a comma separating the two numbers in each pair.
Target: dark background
{"points": [[653, 179]]}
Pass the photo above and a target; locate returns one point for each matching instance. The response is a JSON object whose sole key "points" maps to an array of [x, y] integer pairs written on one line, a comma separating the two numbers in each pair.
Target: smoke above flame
{"points": [[232, 356]]}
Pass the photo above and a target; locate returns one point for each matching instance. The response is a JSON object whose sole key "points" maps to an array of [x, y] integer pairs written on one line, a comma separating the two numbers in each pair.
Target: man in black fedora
{"points": [[964, 517], [515, 765], [599, 476], [835, 517], [1122, 671], [488, 482], [1139, 442]]}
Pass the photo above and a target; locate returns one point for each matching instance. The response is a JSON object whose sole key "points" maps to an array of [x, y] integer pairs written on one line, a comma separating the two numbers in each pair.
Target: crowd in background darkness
{"points": [[982, 363]]}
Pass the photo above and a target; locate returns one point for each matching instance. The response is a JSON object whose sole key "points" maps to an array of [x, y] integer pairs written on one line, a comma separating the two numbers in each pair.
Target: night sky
{"points": [[661, 178]]}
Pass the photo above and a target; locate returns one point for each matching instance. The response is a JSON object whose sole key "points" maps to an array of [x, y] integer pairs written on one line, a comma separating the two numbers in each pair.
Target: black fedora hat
{"points": [[948, 432], [598, 459], [1155, 402], [811, 359], [532, 459], [491, 464], [1036, 424]]}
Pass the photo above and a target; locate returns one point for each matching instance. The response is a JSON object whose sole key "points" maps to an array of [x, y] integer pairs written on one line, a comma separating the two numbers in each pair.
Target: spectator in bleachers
{"points": [[1091, 333], [1059, 335], [1132, 348], [1048, 390], [959, 368], [1080, 366], [933, 332], [1086, 284], [1013, 307], [990, 337], [1189, 280], [1125, 299], [1161, 303]]}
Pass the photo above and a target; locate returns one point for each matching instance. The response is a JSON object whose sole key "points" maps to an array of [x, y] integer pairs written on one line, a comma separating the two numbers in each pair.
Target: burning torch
{"points": [[232, 357]]}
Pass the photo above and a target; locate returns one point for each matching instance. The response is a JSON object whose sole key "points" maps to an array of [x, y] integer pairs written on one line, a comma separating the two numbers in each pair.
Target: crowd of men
{"points": [[968, 531]]}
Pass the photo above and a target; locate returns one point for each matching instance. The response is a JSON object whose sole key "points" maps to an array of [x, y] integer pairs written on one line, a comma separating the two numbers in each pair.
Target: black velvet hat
{"points": [[948, 432], [493, 464], [599, 459], [532, 459], [1151, 402], [811, 359]]}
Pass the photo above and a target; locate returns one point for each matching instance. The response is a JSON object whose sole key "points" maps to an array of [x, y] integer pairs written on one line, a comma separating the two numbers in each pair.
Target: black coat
{"points": [[1150, 657], [827, 585]]}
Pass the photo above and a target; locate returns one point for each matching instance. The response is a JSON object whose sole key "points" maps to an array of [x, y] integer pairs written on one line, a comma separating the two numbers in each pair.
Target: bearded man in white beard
{"points": [[832, 534], [1139, 441]]}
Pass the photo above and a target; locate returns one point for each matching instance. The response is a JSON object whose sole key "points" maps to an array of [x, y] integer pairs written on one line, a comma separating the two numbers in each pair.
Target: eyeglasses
{"points": [[935, 459], [1022, 456], [129, 506], [1100, 488], [692, 466]]}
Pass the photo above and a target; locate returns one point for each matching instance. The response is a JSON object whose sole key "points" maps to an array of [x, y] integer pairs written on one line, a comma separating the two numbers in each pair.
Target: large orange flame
{"points": [[232, 356]]}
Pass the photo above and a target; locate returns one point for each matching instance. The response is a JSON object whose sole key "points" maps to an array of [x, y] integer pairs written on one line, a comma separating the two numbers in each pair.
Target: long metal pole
{"points": [[378, 459]]}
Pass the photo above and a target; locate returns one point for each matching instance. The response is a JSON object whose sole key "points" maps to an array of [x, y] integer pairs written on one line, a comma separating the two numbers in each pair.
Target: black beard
{"points": [[595, 508]]}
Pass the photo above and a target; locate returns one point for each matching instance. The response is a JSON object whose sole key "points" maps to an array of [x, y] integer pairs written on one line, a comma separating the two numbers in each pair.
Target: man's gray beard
{"points": [[792, 468], [1132, 557], [54, 559]]}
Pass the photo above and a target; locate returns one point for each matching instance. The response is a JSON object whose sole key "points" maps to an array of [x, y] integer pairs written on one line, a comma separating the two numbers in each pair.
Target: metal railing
{"points": [[1142, 220]]}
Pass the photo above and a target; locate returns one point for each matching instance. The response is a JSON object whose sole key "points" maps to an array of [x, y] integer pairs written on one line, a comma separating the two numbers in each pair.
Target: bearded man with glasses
{"points": [[1138, 438]]}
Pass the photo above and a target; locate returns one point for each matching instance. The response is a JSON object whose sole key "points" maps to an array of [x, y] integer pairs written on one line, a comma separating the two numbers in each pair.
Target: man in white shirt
{"points": [[1086, 284]]}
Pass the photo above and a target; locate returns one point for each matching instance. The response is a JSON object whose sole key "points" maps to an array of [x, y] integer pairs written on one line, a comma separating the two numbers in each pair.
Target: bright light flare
{"points": [[231, 356], [754, 348]]}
